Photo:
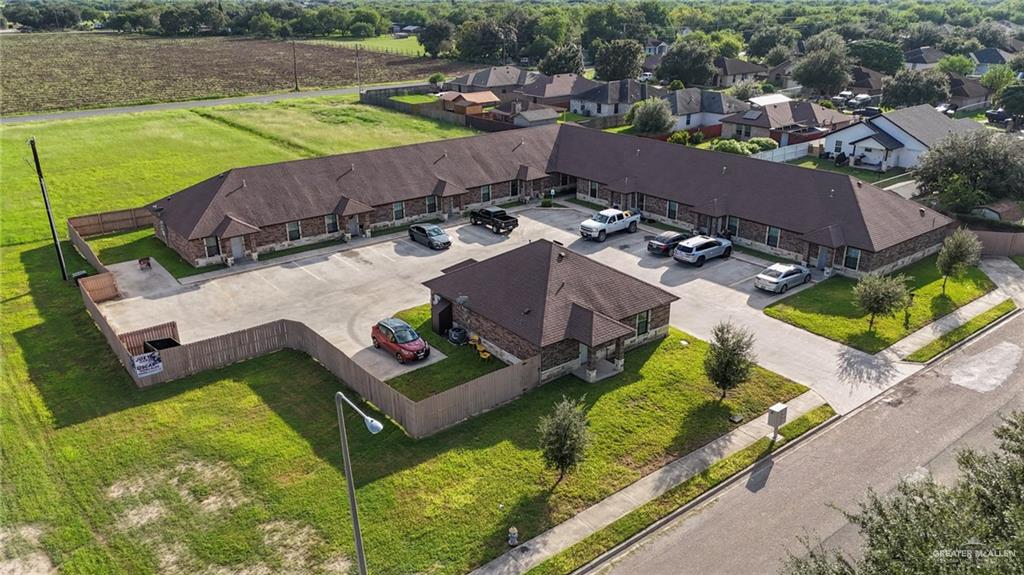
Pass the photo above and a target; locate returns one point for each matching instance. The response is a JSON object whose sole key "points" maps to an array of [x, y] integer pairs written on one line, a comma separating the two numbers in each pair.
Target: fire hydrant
{"points": [[513, 537]]}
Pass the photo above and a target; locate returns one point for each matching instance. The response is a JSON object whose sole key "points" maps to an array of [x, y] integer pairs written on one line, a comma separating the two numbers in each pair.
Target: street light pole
{"points": [[374, 427], [49, 210]]}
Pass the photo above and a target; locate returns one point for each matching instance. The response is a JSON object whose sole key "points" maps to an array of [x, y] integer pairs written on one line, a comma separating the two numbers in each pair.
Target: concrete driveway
{"points": [[343, 294]]}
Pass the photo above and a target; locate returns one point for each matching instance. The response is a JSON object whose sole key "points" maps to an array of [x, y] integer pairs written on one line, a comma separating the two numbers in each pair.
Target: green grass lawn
{"points": [[973, 326], [461, 364], [409, 45], [571, 117], [415, 99], [87, 458], [1019, 260], [830, 166], [828, 309], [123, 161], [128, 246], [623, 129]]}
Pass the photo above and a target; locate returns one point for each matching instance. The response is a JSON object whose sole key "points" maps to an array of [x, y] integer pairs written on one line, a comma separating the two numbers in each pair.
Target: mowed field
{"points": [[238, 470], [114, 162], [62, 71]]}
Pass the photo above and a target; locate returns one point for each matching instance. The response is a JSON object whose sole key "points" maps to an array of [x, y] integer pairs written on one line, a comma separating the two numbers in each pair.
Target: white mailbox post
{"points": [[776, 418]]}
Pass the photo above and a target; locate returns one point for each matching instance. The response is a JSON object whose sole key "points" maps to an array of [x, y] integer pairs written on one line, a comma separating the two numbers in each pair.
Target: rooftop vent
{"points": [[920, 211], [561, 256], [526, 311], [725, 169]]}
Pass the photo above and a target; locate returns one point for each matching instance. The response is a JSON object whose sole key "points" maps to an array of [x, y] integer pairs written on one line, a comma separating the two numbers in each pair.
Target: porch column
{"points": [[618, 355], [364, 221], [591, 365]]}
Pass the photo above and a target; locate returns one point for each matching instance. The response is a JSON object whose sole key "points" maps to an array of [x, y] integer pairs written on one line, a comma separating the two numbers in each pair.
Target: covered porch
{"points": [[601, 362]]}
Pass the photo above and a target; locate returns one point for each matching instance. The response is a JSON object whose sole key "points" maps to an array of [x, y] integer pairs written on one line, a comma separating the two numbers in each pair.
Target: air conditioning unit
{"points": [[230, 261]]}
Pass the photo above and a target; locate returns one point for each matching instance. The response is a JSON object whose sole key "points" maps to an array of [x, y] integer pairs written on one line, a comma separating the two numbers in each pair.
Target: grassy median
{"points": [[828, 308], [974, 325]]}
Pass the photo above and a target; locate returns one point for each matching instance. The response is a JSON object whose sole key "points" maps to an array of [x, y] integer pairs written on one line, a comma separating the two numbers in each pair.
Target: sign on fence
{"points": [[147, 364]]}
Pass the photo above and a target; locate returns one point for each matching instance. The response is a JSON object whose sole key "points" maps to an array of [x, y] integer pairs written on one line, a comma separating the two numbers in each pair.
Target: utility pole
{"points": [[295, 67], [359, 83], [49, 211]]}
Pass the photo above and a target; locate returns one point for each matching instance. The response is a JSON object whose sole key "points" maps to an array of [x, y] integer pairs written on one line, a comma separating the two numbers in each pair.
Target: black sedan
{"points": [[430, 235], [664, 243]]}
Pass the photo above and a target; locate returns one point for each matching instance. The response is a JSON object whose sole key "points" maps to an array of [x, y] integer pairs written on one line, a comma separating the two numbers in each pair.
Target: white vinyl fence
{"points": [[786, 153]]}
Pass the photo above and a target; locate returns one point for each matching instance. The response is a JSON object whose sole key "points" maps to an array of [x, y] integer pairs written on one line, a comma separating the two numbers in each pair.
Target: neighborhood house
{"points": [[694, 108], [555, 90], [503, 81], [581, 316], [824, 218], [613, 98], [732, 70], [787, 123], [471, 103]]}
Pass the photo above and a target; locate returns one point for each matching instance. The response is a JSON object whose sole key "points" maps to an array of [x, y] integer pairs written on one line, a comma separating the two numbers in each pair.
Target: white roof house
{"points": [[769, 99]]}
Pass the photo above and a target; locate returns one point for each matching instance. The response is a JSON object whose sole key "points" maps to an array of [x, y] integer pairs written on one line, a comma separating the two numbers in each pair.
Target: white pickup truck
{"points": [[608, 222]]}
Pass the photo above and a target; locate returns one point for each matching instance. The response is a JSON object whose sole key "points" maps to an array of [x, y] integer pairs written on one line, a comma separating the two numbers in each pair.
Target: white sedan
{"points": [[778, 278]]}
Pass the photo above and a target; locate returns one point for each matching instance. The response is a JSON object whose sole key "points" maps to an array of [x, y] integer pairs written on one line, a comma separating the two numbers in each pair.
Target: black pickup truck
{"points": [[494, 218]]}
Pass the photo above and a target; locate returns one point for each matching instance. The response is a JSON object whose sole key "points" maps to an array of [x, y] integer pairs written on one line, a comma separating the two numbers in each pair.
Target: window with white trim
{"points": [[643, 322], [294, 231], [398, 210], [689, 117], [732, 223], [593, 188], [673, 210], [771, 237], [212, 246], [431, 204], [851, 258], [838, 148], [331, 223], [485, 193]]}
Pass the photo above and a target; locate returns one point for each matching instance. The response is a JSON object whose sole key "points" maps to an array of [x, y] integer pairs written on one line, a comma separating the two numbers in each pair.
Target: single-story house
{"points": [[768, 99], [826, 218], [733, 70], [1005, 210], [555, 90], [525, 114], [864, 80], [471, 103], [787, 123], [694, 108], [545, 299], [781, 75], [613, 98], [655, 46], [503, 81], [895, 139], [923, 58], [651, 62], [967, 92], [985, 58]]}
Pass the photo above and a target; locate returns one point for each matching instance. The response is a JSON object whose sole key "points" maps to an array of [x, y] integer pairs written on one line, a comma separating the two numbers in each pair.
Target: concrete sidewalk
{"points": [[944, 325], [531, 553], [1007, 275]]}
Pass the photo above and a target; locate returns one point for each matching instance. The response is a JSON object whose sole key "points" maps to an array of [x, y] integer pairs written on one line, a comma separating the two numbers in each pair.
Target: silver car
{"points": [[778, 278], [699, 249]]}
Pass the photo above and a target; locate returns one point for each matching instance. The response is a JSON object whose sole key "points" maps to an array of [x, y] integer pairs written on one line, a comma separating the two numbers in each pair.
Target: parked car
{"points": [[665, 243], [399, 339], [494, 218], [645, 77], [430, 235], [608, 222], [947, 109], [841, 98], [858, 101], [778, 278], [868, 112], [699, 249], [998, 116]]}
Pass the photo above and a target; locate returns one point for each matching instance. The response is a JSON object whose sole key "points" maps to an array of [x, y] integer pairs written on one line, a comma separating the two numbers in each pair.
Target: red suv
{"points": [[399, 339]]}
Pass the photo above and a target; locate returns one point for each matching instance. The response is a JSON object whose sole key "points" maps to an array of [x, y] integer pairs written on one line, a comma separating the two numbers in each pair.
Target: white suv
{"points": [[699, 249]]}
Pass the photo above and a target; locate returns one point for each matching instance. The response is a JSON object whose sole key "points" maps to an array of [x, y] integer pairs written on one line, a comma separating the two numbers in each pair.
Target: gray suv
{"points": [[699, 249]]}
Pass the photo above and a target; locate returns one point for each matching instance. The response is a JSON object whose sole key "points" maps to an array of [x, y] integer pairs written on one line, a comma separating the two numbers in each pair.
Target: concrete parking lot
{"points": [[343, 294]]}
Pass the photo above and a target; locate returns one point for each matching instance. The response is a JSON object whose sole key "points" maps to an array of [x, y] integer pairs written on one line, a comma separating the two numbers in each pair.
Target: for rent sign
{"points": [[147, 364]]}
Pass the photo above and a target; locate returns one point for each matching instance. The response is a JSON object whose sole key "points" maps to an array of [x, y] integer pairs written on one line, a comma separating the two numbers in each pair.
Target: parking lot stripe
{"points": [[270, 283], [303, 268], [744, 280]]}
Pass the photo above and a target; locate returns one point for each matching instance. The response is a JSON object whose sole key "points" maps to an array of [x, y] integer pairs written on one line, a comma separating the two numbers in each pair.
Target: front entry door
{"points": [[822, 257], [584, 351], [353, 226], [238, 248]]}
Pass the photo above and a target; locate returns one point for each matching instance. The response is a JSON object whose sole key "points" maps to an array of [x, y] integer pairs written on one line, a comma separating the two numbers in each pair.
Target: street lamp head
{"points": [[373, 425]]}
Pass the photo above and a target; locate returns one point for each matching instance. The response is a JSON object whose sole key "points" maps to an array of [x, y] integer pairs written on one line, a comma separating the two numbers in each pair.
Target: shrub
{"points": [[680, 137], [960, 250], [564, 436], [880, 295], [767, 87], [696, 138], [362, 30], [436, 78], [730, 359], [676, 85], [651, 116], [763, 144], [826, 104], [730, 147]]}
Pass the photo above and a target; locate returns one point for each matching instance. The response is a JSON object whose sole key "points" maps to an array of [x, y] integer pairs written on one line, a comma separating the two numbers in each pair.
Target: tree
{"points": [[779, 54], [1016, 63], [958, 195], [884, 57], [961, 65], [564, 436], [362, 30], [619, 60], [767, 37], [650, 116], [880, 295], [436, 37], [690, 62], [565, 59], [437, 78], [922, 34], [913, 528], [825, 70], [730, 358], [997, 78], [481, 41], [913, 87], [988, 162], [371, 18], [676, 85], [991, 34], [264, 25], [959, 44], [746, 89], [960, 250], [1013, 101]]}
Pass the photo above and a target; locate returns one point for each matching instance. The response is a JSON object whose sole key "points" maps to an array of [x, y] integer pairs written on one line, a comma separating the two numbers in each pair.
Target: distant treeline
{"points": [[500, 31]]}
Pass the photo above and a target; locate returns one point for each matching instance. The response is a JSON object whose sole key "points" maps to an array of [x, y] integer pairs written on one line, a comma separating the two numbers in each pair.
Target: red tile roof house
{"points": [[579, 315], [788, 123], [828, 219]]}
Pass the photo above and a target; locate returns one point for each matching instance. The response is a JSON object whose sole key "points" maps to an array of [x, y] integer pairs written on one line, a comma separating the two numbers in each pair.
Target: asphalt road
{"points": [[189, 104], [914, 428]]}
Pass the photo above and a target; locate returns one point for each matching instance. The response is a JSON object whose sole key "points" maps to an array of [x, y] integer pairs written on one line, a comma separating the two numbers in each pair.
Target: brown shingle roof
{"points": [[482, 97], [734, 66], [794, 113], [865, 78], [557, 86], [545, 293], [494, 77]]}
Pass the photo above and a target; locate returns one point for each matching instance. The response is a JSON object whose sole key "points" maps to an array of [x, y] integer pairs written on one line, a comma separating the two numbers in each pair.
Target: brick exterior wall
{"points": [[753, 234], [554, 355], [494, 334], [898, 256]]}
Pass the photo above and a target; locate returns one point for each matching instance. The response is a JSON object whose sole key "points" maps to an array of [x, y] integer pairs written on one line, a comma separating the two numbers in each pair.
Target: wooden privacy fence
{"points": [[109, 222], [1001, 243], [418, 418], [100, 287]]}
